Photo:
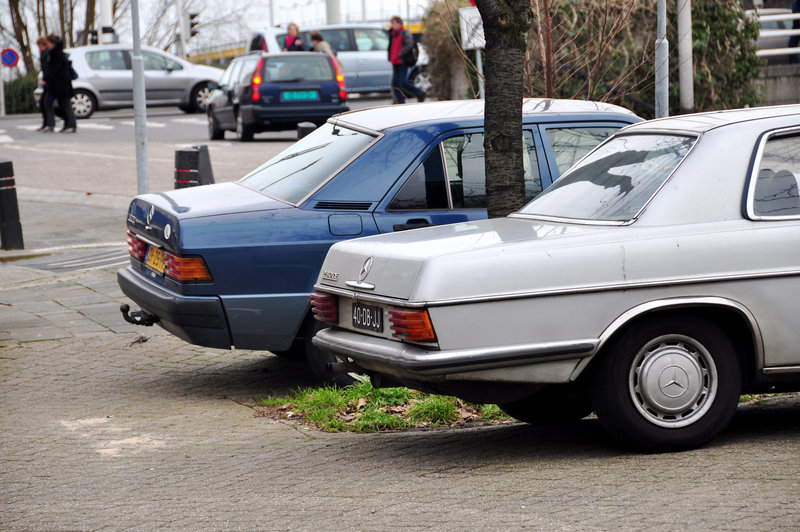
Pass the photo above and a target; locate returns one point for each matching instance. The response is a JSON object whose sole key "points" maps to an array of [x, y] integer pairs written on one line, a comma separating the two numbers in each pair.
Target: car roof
{"points": [[100, 47], [391, 116], [703, 122]]}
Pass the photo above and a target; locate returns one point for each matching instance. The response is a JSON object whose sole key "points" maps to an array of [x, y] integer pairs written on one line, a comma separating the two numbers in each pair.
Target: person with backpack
{"points": [[403, 53], [57, 74]]}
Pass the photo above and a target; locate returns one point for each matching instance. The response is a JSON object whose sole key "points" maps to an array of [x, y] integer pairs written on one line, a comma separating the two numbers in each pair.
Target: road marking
{"points": [[191, 120], [149, 124], [90, 125], [29, 127], [6, 138], [87, 154]]}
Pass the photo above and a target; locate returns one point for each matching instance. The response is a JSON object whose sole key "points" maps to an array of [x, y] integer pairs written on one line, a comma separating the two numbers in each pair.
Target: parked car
{"points": [[653, 283], [361, 49], [268, 92], [105, 79], [233, 264]]}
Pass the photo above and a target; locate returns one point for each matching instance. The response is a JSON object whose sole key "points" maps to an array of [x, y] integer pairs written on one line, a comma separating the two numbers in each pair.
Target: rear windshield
{"points": [[614, 182], [288, 67], [300, 169]]}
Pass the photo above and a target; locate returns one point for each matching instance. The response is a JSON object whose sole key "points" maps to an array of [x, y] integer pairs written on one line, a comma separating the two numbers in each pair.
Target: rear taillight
{"points": [[136, 247], [325, 307], [339, 79], [411, 325], [256, 82], [186, 268]]}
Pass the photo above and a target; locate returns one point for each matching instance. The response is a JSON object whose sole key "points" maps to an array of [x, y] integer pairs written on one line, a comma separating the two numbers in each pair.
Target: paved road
{"points": [[101, 431]]}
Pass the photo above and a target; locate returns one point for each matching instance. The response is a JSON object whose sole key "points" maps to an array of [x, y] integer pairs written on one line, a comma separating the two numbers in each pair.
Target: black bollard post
{"points": [[304, 128], [193, 167], [10, 226]]}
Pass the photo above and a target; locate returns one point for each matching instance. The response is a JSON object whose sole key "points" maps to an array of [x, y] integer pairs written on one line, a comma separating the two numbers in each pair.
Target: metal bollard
{"points": [[193, 167], [10, 226], [304, 128]]}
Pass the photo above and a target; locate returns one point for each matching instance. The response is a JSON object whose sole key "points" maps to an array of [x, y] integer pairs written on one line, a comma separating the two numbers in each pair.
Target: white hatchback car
{"points": [[653, 283], [105, 79]]}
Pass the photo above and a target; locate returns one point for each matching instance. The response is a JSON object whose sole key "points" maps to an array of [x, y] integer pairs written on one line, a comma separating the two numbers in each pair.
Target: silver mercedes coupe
{"points": [[652, 284]]}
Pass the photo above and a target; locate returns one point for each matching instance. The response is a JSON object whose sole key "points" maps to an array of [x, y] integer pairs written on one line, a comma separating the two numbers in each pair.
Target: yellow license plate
{"points": [[155, 259]]}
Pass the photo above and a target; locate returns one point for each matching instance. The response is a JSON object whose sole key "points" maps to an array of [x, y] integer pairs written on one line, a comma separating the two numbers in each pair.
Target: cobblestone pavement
{"points": [[102, 432]]}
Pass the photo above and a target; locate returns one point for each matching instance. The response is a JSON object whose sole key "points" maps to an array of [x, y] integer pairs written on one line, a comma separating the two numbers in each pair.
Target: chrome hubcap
{"points": [[673, 381], [202, 98], [81, 105]]}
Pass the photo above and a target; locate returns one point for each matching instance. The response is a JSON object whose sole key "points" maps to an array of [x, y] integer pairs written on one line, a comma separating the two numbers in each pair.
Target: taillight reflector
{"points": [[339, 79], [186, 268], [411, 325], [136, 247], [256, 82], [325, 307]]}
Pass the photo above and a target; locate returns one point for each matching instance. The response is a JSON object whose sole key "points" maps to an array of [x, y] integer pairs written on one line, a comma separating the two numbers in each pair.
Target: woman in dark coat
{"points": [[57, 75]]}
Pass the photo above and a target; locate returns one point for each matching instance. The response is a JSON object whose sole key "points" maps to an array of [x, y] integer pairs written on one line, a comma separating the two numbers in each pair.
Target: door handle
{"points": [[414, 223]]}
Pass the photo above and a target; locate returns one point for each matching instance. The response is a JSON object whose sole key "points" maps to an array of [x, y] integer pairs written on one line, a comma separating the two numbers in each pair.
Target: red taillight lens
{"points": [[339, 79], [256, 82], [325, 307], [136, 247], [411, 325], [186, 268]]}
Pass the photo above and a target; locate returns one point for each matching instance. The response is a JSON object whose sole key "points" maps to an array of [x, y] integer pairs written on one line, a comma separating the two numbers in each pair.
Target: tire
{"points": [[421, 79], [244, 132], [319, 360], [83, 103], [554, 404], [214, 132], [198, 98], [667, 385]]}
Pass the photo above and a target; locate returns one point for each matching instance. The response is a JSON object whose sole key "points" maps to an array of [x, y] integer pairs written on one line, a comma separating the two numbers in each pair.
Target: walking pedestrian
{"points": [[403, 53], [319, 44], [293, 41], [57, 77], [41, 43]]}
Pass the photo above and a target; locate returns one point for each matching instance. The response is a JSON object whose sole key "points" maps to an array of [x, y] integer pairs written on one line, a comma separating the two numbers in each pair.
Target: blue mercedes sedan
{"points": [[233, 264]]}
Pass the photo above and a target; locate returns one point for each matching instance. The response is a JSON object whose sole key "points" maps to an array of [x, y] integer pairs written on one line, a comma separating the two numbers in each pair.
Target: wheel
{"points": [[668, 385], [83, 103], [553, 404], [244, 132], [422, 80], [214, 132], [198, 98], [319, 360], [296, 351]]}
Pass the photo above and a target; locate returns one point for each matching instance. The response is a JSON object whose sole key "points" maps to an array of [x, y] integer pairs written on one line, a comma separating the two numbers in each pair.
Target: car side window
{"points": [[173, 65], [338, 39], [370, 39], [425, 189], [247, 69], [465, 163], [226, 76], [153, 61], [570, 144], [775, 192], [107, 60], [235, 69]]}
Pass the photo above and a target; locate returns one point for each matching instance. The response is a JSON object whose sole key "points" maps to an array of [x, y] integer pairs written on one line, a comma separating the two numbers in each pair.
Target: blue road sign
{"points": [[9, 57]]}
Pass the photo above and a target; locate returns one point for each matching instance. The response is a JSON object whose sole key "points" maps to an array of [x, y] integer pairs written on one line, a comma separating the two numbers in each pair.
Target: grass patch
{"points": [[362, 408]]}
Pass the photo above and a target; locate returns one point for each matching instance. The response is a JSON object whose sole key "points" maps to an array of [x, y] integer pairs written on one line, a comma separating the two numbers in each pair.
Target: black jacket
{"points": [[56, 72]]}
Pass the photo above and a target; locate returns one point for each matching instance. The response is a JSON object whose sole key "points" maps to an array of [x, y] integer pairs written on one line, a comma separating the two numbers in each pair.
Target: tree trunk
{"points": [[21, 34], [505, 25], [89, 26]]}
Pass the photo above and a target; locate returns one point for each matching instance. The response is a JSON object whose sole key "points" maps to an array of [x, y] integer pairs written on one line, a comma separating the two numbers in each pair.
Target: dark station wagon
{"points": [[269, 92], [233, 264]]}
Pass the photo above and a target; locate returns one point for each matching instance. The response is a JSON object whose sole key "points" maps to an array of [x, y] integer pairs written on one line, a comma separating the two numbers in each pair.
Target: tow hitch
{"points": [[139, 317]]}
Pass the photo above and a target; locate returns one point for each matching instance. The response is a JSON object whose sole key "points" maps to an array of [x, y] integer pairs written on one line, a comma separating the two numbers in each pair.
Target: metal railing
{"points": [[771, 52]]}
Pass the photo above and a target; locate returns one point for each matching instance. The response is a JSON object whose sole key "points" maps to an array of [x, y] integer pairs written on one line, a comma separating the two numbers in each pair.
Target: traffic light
{"points": [[192, 25]]}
